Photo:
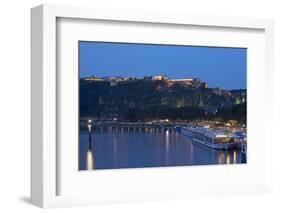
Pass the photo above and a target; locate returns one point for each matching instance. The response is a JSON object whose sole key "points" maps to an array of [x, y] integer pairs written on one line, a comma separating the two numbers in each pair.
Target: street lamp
{"points": [[90, 130]]}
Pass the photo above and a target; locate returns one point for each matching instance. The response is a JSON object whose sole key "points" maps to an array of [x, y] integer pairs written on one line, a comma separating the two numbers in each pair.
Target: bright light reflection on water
{"points": [[90, 160], [135, 149]]}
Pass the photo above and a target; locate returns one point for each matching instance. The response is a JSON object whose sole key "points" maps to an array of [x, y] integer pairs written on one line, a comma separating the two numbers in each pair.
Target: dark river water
{"points": [[116, 149]]}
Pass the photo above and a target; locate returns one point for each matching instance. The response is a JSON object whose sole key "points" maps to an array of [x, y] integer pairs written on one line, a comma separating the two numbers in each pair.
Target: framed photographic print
{"points": [[130, 105], [138, 107]]}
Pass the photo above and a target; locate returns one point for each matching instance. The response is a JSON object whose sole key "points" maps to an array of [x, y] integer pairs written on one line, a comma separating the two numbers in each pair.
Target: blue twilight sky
{"points": [[220, 67]]}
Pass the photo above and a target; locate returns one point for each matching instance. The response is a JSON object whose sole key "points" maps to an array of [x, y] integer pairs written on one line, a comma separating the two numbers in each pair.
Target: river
{"points": [[135, 149]]}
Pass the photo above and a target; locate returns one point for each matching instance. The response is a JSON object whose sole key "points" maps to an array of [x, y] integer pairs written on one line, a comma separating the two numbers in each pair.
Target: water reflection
{"points": [[90, 160], [234, 156], [228, 158], [221, 158], [167, 139], [190, 151], [147, 148]]}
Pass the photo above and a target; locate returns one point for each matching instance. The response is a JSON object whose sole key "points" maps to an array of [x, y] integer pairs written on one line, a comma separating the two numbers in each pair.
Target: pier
{"points": [[127, 126]]}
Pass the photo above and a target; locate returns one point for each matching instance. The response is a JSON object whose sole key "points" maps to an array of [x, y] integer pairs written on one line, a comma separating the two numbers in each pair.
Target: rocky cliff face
{"points": [[102, 100]]}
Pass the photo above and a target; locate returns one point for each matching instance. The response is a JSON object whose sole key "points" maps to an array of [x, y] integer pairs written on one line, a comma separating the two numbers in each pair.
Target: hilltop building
{"points": [[187, 82], [160, 78]]}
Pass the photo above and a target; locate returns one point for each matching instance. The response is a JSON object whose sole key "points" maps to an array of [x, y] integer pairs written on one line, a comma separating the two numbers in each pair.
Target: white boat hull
{"points": [[220, 146]]}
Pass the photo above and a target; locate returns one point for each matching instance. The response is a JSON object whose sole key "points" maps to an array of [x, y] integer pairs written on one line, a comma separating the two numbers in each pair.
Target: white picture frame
{"points": [[45, 178]]}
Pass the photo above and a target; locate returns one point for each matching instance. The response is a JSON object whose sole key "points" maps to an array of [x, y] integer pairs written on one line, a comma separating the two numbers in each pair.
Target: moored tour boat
{"points": [[215, 138]]}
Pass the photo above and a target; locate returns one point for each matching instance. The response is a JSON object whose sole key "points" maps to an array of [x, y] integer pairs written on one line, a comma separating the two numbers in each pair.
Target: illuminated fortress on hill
{"points": [[115, 80]]}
